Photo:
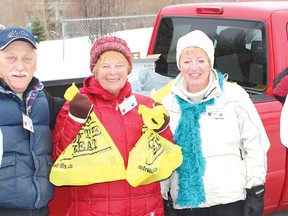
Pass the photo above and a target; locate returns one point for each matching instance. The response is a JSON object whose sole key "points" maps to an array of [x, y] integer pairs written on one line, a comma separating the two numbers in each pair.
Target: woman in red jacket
{"points": [[104, 92]]}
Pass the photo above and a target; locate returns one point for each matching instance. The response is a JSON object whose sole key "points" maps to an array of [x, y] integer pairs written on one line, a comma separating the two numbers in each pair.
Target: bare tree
{"points": [[14, 13], [101, 8], [87, 8], [46, 11]]}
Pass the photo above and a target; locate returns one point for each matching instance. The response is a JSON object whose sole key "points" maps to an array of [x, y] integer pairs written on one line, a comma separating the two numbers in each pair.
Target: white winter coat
{"points": [[234, 145]]}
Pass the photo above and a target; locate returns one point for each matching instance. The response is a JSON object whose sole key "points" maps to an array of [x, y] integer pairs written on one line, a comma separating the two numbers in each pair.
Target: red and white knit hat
{"points": [[109, 43]]}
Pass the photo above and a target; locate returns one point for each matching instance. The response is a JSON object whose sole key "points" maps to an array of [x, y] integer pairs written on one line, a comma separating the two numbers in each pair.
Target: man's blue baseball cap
{"points": [[15, 33]]}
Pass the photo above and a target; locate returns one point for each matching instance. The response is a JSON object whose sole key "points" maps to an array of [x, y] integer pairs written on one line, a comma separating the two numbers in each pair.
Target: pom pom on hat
{"points": [[109, 43], [195, 38]]}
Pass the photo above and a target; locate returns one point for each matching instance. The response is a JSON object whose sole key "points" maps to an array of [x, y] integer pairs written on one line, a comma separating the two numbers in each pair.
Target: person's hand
{"points": [[166, 118], [155, 118], [254, 205], [80, 106]]}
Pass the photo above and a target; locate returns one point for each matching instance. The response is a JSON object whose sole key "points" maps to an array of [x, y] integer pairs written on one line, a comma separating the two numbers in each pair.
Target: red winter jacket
{"points": [[280, 86], [118, 197]]}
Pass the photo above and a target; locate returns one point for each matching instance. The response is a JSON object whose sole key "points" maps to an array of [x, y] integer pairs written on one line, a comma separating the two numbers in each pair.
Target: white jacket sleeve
{"points": [[165, 188], [254, 140], [284, 124]]}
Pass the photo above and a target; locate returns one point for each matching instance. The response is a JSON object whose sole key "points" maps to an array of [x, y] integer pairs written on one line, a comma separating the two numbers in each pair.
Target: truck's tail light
{"points": [[209, 10]]}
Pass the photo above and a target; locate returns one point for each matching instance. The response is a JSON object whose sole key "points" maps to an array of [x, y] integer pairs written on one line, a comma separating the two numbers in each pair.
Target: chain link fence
{"points": [[97, 27]]}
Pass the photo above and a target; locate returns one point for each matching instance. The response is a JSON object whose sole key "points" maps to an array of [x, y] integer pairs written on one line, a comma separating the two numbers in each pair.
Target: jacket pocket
{"points": [[8, 160]]}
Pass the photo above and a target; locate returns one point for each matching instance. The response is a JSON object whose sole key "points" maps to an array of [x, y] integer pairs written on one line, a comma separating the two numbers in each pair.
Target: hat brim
{"points": [[18, 39]]}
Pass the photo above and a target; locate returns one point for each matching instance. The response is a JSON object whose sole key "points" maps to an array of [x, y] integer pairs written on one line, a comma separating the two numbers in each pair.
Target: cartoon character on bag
{"points": [[155, 146]]}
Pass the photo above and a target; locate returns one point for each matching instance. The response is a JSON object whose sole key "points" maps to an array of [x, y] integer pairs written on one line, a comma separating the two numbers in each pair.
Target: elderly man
{"points": [[27, 114]]}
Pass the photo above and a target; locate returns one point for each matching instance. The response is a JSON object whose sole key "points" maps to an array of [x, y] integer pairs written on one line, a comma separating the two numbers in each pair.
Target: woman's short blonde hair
{"points": [[188, 50], [110, 54]]}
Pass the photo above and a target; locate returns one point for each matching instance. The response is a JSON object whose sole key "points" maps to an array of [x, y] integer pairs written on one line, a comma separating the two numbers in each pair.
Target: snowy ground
{"points": [[58, 59]]}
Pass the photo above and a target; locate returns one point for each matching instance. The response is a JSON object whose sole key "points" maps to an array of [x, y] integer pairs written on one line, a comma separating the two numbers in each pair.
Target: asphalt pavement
{"points": [[283, 213]]}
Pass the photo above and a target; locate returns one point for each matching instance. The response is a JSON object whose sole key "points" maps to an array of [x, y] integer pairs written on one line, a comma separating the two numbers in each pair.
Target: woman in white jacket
{"points": [[223, 140]]}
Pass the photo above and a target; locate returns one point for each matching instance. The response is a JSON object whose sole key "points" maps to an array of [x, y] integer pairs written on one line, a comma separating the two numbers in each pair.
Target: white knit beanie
{"points": [[195, 38]]}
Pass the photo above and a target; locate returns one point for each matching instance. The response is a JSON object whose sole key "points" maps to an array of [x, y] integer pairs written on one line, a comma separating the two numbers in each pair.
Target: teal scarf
{"points": [[187, 135]]}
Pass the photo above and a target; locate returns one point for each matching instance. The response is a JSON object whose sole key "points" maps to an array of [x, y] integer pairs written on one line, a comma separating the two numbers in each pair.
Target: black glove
{"points": [[80, 106], [254, 205], [168, 206]]}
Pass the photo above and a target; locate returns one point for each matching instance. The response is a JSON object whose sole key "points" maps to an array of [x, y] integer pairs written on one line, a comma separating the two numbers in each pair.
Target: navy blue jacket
{"points": [[26, 162]]}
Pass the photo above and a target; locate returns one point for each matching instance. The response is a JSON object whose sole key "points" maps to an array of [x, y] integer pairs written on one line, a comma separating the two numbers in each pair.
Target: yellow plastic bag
{"points": [[92, 157], [153, 118], [153, 158], [162, 92]]}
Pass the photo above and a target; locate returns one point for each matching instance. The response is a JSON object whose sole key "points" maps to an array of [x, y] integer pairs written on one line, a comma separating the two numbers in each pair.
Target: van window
{"points": [[240, 48]]}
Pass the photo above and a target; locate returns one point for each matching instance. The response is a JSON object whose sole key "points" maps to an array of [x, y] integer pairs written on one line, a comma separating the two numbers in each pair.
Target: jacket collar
{"points": [[4, 87], [92, 87]]}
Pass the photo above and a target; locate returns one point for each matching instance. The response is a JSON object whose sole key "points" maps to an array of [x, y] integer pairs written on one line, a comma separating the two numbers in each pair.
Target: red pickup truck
{"points": [[250, 40], [251, 45]]}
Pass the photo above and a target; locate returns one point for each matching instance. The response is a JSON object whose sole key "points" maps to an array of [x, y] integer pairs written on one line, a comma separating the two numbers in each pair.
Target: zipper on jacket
{"points": [[241, 155], [117, 105]]}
